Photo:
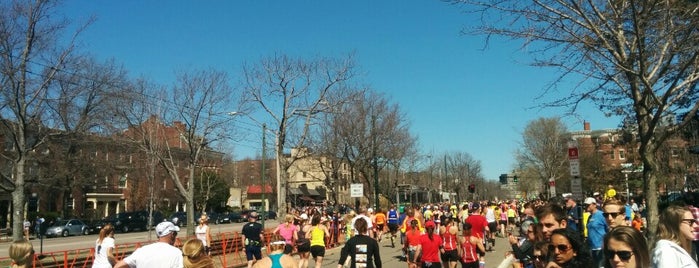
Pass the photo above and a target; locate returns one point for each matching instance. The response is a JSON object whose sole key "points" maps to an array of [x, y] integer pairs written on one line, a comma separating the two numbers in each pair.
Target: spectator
{"points": [[363, 250], [524, 250], [615, 213], [675, 236], [22, 254], [26, 226], [429, 247], [568, 250], [540, 254], [626, 247], [574, 213], [104, 248], [196, 255], [551, 217], [277, 258], [203, 232], [695, 231], [159, 254], [596, 229]]}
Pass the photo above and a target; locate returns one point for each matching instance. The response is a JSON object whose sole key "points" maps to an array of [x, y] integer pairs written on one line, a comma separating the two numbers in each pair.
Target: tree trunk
{"points": [[650, 188], [18, 199], [189, 200]]}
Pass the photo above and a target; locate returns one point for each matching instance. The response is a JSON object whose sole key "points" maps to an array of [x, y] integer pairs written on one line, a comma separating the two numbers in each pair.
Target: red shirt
{"points": [[449, 241], [478, 224], [430, 248], [413, 237]]}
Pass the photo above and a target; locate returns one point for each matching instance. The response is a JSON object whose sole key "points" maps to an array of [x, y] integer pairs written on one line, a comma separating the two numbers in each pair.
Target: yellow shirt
{"points": [[317, 237]]}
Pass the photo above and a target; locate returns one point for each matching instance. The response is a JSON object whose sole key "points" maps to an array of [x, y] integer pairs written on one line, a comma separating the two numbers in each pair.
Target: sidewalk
{"points": [[391, 257]]}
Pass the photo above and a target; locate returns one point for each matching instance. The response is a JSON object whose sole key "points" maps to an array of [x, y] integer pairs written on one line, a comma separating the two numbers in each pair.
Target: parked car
{"points": [[93, 226], [231, 217], [267, 215], [67, 227], [129, 221]]}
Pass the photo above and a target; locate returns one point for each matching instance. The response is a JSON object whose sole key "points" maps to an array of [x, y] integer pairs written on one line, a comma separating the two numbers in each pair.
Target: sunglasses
{"points": [[624, 255], [562, 248], [690, 221], [538, 257], [613, 214]]}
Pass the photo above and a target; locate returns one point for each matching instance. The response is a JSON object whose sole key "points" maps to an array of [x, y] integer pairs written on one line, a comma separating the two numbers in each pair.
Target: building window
{"points": [[622, 154], [122, 181], [305, 174], [611, 155]]}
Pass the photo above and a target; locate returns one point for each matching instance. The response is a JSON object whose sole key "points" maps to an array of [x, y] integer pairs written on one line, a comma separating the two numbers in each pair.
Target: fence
{"points": [[226, 248]]}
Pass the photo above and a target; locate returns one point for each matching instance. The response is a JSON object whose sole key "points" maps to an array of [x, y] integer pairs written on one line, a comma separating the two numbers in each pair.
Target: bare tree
{"points": [[462, 169], [144, 129], [368, 134], [291, 92], [201, 100], [637, 59], [83, 105], [30, 59], [544, 142]]}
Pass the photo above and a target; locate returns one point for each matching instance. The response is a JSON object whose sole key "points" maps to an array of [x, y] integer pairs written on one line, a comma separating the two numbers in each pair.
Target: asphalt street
{"points": [[391, 257]]}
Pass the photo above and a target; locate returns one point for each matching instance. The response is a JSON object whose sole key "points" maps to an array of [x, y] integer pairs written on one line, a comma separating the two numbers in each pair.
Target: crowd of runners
{"points": [[601, 231]]}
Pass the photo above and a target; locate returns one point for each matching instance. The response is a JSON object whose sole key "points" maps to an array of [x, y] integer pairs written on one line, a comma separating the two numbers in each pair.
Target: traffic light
{"points": [[472, 188], [503, 178], [515, 179]]}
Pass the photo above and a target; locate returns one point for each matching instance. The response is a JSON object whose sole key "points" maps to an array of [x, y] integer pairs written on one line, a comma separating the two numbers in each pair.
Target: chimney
{"points": [[586, 126]]}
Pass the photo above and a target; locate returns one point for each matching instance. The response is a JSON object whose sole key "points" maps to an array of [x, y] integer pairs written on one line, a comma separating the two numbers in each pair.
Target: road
{"points": [[391, 257]]}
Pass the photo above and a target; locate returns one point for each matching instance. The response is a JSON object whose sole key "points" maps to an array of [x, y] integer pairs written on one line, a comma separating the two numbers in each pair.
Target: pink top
{"points": [[287, 232]]}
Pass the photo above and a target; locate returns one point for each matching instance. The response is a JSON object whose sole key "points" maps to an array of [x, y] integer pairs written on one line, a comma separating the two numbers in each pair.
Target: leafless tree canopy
{"points": [[633, 58], [362, 130], [30, 59], [291, 92]]}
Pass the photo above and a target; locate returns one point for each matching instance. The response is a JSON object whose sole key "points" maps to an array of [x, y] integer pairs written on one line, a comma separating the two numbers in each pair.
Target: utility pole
{"points": [[446, 180], [376, 166], [262, 173]]}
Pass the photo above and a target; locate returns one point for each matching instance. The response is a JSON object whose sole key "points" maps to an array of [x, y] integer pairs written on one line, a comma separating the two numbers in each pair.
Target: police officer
{"points": [[252, 239]]}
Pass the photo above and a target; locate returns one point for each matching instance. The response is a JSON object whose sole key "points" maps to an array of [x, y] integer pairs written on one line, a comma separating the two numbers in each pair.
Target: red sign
{"points": [[573, 153], [552, 183]]}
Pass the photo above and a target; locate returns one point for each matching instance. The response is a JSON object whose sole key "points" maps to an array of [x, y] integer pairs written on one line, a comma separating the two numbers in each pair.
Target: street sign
{"points": [[356, 190], [576, 188], [575, 167], [573, 153]]}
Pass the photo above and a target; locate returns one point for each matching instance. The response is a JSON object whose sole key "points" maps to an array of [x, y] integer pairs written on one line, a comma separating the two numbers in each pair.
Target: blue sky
{"points": [[458, 94]]}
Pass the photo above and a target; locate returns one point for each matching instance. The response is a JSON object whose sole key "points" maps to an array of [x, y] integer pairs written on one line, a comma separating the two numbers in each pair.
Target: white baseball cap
{"points": [[166, 228], [590, 200]]}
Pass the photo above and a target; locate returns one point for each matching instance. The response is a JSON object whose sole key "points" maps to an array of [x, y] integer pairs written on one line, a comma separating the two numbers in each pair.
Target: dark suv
{"points": [[129, 221]]}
